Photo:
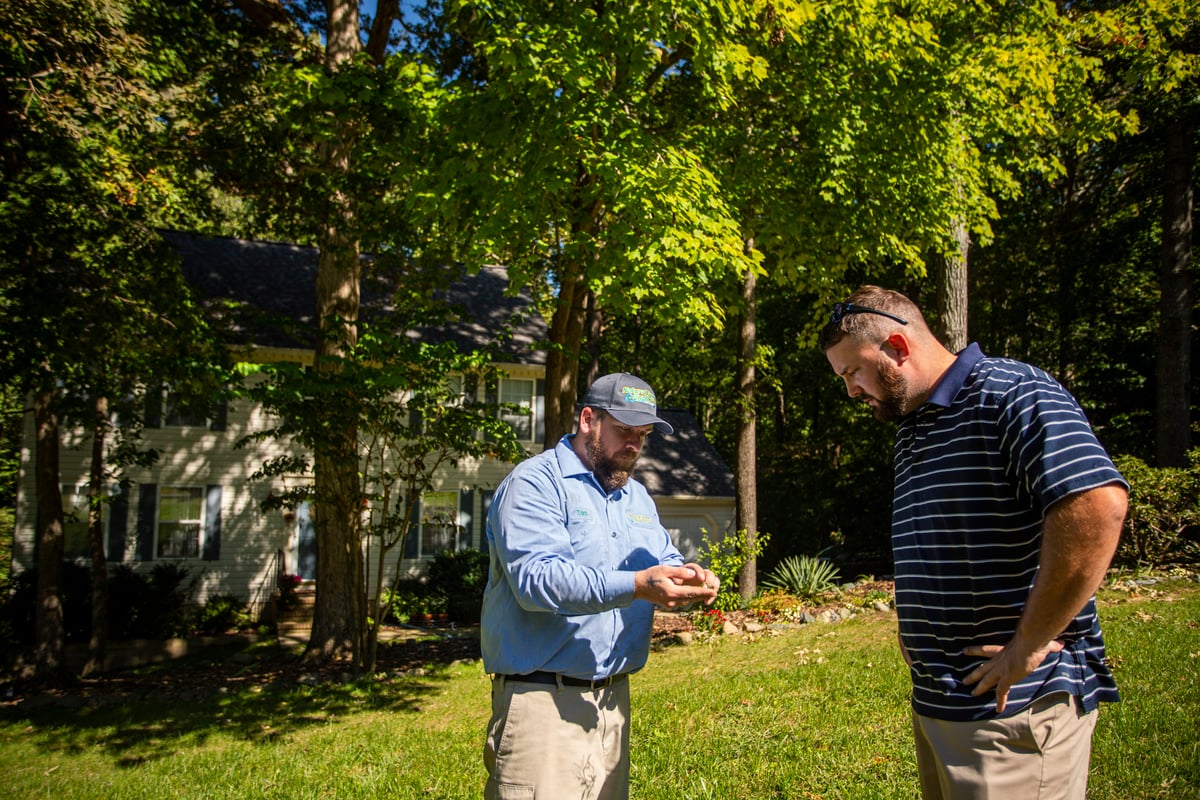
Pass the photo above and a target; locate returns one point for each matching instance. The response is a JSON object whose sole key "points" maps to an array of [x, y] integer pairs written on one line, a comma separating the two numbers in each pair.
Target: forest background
{"points": [[685, 188]]}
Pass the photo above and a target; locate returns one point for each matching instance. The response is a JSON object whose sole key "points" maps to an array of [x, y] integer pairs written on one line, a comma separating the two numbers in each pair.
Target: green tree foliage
{"points": [[84, 282]]}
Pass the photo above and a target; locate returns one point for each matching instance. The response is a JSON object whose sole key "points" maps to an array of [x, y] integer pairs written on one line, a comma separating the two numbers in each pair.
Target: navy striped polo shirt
{"points": [[976, 468]]}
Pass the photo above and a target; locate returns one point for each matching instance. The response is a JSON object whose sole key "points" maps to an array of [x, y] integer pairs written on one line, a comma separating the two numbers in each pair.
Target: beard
{"points": [[893, 389], [611, 471]]}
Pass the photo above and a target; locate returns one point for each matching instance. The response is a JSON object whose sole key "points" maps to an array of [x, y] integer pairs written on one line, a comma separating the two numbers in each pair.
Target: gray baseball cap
{"points": [[628, 398]]}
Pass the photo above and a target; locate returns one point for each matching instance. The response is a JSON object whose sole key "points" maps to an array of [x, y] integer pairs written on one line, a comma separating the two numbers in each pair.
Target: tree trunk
{"points": [[595, 333], [746, 477], [1172, 417], [951, 325], [339, 616], [562, 362], [48, 619], [98, 643]]}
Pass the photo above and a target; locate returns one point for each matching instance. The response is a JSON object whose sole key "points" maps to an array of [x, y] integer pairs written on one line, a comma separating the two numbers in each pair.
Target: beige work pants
{"points": [[557, 742], [1040, 753]]}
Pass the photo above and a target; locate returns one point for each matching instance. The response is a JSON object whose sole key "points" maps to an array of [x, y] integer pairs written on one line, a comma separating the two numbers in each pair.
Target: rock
{"points": [[684, 638], [880, 605], [730, 629], [807, 618], [754, 627], [828, 616]]}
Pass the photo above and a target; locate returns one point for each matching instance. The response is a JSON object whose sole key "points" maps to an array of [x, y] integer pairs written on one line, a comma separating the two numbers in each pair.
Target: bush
{"points": [[20, 607], [726, 558], [221, 613], [1164, 512], [460, 576], [803, 576]]}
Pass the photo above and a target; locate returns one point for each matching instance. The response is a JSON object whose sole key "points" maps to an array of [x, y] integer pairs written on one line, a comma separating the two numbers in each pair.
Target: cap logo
{"points": [[635, 395]]}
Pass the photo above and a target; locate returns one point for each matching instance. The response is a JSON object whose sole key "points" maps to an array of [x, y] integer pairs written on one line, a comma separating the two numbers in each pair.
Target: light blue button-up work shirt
{"points": [[563, 556]]}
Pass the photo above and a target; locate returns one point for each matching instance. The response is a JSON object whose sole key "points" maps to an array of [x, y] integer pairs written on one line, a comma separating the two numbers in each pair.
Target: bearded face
{"points": [[893, 392], [612, 470]]}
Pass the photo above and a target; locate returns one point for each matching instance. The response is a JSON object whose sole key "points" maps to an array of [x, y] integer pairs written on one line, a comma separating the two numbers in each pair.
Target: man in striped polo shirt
{"points": [[1006, 513]]}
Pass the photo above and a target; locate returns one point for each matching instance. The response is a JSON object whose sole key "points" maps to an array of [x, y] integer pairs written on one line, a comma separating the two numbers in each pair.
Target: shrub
{"points": [[1164, 510], [222, 612], [803, 576], [725, 558], [459, 577]]}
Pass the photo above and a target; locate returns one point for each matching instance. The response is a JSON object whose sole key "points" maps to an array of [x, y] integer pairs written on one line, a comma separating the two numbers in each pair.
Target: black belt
{"points": [[553, 678]]}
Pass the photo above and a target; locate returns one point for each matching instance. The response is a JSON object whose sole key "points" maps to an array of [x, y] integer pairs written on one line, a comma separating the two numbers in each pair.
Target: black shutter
{"points": [[147, 511], [220, 418], [212, 524], [118, 521], [154, 406], [412, 543]]}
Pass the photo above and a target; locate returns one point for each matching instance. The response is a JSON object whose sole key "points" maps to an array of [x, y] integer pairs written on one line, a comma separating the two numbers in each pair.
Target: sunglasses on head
{"points": [[840, 310]]}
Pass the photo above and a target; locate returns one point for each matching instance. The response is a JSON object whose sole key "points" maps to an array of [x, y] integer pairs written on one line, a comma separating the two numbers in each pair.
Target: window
{"points": [[180, 521], [439, 523], [177, 415], [75, 522], [517, 402]]}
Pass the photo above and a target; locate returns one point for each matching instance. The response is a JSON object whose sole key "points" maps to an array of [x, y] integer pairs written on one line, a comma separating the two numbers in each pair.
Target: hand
{"points": [[1005, 666], [671, 586]]}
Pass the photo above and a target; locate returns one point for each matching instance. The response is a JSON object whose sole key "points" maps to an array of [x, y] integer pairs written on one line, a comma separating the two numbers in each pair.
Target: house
{"points": [[196, 505]]}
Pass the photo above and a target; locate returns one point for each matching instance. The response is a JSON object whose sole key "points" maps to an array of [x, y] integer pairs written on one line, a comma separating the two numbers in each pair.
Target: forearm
{"points": [[1079, 539]]}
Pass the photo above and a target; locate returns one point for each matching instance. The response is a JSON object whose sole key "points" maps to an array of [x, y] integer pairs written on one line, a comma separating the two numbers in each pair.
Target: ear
{"points": [[587, 418], [897, 347]]}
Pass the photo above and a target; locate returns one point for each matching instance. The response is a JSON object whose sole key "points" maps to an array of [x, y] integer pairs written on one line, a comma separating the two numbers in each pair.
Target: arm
{"points": [[1079, 537]]}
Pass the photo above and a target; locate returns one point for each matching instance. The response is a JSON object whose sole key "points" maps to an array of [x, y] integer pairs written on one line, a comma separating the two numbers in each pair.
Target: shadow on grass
{"points": [[260, 694]]}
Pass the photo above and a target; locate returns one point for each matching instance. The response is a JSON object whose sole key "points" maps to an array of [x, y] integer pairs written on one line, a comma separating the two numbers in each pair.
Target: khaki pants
{"points": [[1040, 753], [557, 742]]}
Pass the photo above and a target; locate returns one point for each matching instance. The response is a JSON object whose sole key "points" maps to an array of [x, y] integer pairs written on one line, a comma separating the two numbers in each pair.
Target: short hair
{"points": [[868, 326]]}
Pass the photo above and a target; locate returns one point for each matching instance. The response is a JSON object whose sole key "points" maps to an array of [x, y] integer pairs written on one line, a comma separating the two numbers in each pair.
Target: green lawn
{"points": [[817, 712]]}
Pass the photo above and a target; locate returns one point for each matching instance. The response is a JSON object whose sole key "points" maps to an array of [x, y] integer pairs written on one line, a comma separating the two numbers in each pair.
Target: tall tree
{"points": [[81, 280]]}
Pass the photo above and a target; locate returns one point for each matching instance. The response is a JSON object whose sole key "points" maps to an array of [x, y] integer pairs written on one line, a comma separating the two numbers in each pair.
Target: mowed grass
{"points": [[820, 711]]}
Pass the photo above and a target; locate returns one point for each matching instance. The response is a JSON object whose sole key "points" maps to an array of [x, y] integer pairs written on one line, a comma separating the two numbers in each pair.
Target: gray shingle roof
{"points": [[684, 463], [265, 294]]}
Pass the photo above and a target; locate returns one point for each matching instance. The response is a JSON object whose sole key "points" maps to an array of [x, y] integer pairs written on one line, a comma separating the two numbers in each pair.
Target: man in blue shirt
{"points": [[1006, 512], [579, 560]]}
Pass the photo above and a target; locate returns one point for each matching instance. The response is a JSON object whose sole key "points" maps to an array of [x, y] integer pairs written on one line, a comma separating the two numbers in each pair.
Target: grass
{"points": [[817, 712]]}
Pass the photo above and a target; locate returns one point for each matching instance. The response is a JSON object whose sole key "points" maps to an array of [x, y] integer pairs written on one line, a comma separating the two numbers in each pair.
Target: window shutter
{"points": [[118, 519], [220, 418], [212, 524], [147, 511], [466, 516], [413, 542], [154, 406]]}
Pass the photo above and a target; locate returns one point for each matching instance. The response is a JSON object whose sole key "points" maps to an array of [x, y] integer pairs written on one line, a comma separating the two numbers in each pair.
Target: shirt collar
{"points": [[949, 384]]}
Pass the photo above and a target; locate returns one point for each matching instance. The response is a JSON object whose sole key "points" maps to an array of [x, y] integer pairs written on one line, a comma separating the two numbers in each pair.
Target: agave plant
{"points": [[803, 576]]}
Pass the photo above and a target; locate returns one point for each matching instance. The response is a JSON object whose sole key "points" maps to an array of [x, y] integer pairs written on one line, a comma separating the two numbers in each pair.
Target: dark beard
{"points": [[611, 473], [890, 407]]}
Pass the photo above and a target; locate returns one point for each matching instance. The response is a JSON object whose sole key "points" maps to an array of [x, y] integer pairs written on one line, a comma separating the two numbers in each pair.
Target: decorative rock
{"points": [[730, 629], [684, 638], [829, 616], [880, 605], [807, 618], [754, 627]]}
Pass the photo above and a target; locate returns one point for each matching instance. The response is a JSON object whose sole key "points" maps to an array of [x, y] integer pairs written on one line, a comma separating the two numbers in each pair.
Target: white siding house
{"points": [[196, 506]]}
